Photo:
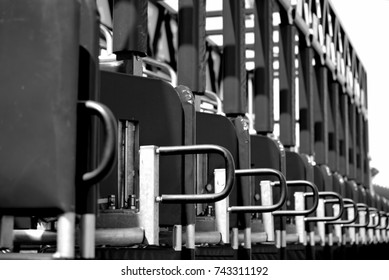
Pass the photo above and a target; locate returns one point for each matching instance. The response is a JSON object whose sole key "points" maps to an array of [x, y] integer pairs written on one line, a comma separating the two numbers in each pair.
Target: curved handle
{"points": [[261, 208], [109, 153], [361, 206], [328, 219], [387, 217], [351, 203], [200, 149], [383, 214], [372, 209], [315, 194]]}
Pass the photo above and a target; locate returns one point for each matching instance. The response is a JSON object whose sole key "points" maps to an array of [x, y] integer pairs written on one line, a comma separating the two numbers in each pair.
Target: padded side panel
{"points": [[156, 106], [38, 103], [265, 153], [218, 130]]}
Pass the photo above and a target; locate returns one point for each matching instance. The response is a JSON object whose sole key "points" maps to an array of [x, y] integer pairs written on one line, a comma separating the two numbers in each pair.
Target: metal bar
{"points": [[6, 231], [66, 230], [234, 68], [354, 205], [374, 210], [327, 219], [220, 13], [288, 94], [334, 135], [364, 206], [214, 32], [315, 192], [222, 218], [383, 215], [110, 145], [263, 71], [191, 45], [200, 149], [352, 139], [164, 66], [262, 208], [188, 105], [219, 104], [321, 109], [306, 100], [148, 190]]}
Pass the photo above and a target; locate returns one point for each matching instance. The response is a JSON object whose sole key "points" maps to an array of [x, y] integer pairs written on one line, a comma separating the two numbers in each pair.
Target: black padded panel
{"points": [[266, 153], [157, 108], [218, 130], [87, 127], [298, 168], [38, 102], [323, 178], [362, 197], [338, 184], [352, 190]]}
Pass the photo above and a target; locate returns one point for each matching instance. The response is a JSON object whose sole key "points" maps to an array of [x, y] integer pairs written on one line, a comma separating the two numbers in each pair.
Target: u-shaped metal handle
{"points": [[262, 208], [109, 152], [315, 193], [200, 149], [383, 214], [361, 206], [328, 219], [374, 226], [350, 203]]}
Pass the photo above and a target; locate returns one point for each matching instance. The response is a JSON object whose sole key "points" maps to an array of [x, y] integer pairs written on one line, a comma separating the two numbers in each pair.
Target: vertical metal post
{"points": [[191, 45], [263, 72], [6, 232], [288, 93], [337, 228], [320, 212], [367, 176], [187, 101], [352, 139], [321, 109], [359, 148], [267, 199], [352, 230], [234, 67], [299, 200], [333, 136], [66, 230], [88, 132], [344, 143], [221, 214], [148, 191], [306, 98], [177, 237]]}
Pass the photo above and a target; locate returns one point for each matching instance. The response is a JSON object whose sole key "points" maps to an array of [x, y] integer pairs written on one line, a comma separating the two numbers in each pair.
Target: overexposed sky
{"points": [[367, 24]]}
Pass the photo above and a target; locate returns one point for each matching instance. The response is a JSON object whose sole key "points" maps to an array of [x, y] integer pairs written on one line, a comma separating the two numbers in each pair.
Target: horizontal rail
{"points": [[200, 149], [262, 208]]}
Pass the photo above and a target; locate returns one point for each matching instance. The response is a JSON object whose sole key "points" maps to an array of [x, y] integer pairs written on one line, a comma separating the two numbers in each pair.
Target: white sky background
{"points": [[367, 24]]}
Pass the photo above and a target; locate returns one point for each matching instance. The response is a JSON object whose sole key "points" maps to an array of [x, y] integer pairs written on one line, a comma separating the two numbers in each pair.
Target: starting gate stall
{"points": [[47, 103]]}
